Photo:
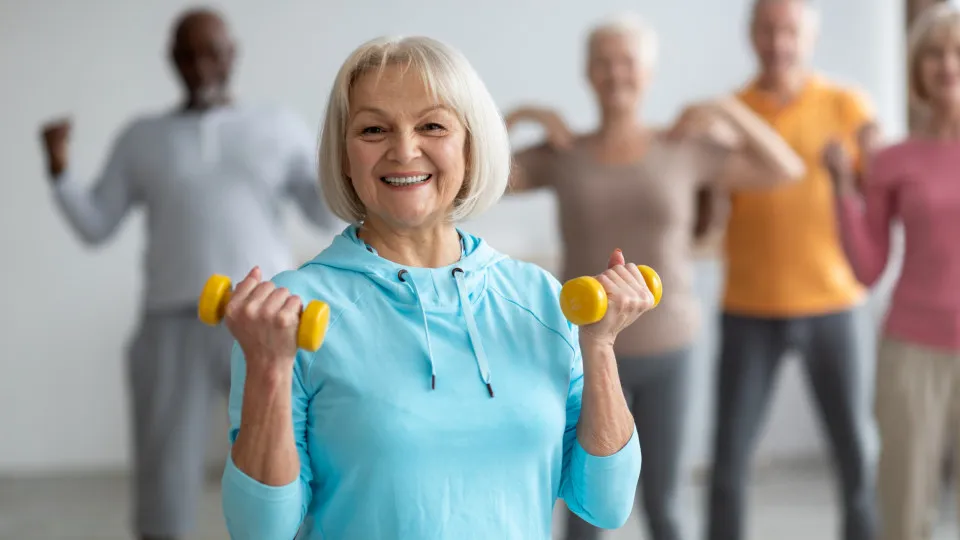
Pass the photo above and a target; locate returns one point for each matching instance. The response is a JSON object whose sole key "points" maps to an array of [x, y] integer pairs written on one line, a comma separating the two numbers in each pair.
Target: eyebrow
{"points": [[382, 112]]}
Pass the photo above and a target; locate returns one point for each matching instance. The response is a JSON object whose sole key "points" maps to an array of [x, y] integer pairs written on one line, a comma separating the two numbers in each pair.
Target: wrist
{"points": [[591, 345], [268, 376]]}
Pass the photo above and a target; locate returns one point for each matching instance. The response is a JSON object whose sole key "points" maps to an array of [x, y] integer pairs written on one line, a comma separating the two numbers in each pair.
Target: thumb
{"points": [[616, 258]]}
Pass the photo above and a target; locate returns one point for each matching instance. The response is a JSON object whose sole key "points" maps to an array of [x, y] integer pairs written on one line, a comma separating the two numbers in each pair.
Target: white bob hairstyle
{"points": [[451, 79], [631, 26], [929, 24]]}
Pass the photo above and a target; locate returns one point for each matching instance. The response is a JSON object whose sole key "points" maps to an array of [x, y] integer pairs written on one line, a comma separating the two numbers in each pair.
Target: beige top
{"points": [[647, 209]]}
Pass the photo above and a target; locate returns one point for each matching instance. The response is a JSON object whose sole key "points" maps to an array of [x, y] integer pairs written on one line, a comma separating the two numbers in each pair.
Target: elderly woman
{"points": [[914, 182], [451, 399], [629, 185]]}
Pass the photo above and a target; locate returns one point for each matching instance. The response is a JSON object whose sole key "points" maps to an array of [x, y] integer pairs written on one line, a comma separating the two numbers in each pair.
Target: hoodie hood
{"points": [[448, 291]]}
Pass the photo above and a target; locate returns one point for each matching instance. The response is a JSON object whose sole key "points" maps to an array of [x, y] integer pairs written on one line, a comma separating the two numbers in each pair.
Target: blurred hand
{"points": [[707, 121], [556, 132], [628, 297], [56, 137], [264, 321], [840, 166]]}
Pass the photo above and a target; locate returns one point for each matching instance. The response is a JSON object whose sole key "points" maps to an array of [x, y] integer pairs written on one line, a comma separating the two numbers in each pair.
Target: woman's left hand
{"points": [[628, 297]]}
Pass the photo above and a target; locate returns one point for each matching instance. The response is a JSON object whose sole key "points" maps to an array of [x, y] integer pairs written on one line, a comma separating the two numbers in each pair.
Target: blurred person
{"points": [[789, 286], [913, 182], [451, 399], [211, 175], [633, 186]]}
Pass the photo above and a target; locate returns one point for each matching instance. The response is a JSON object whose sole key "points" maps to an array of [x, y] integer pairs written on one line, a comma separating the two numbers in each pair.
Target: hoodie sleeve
{"points": [[599, 489], [252, 510]]}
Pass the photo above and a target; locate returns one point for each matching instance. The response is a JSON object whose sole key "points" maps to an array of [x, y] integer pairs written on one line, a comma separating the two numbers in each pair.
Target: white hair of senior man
{"points": [[631, 26], [451, 79]]}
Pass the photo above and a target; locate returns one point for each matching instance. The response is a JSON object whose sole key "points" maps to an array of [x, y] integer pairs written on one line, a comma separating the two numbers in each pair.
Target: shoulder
{"points": [[339, 289], [533, 290], [853, 101], [889, 161]]}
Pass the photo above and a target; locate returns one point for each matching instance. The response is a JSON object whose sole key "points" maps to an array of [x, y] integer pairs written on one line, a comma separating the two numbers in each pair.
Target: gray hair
{"points": [[453, 81], [632, 26]]}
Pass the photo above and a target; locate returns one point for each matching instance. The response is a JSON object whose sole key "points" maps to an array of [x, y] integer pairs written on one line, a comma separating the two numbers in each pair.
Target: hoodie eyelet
{"points": [[455, 270], [401, 273]]}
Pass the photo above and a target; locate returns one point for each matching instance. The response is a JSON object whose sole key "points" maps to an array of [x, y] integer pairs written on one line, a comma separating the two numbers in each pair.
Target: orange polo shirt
{"points": [[783, 249]]}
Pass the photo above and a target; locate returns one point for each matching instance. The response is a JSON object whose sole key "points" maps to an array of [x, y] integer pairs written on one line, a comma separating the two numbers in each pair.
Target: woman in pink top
{"points": [[915, 182], [635, 188]]}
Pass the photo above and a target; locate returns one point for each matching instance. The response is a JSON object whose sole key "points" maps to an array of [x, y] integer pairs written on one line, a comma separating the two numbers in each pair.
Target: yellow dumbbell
{"points": [[584, 301], [313, 321]]}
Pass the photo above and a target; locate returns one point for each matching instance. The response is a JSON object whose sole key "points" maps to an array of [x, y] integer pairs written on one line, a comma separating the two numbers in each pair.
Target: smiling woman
{"points": [[451, 398]]}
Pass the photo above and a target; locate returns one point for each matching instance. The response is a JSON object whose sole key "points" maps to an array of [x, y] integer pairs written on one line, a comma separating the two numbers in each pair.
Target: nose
{"points": [[404, 147]]}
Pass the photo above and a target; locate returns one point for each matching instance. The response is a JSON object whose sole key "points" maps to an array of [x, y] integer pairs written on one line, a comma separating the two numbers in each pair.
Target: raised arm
{"points": [[865, 210], [302, 183], [601, 459], [94, 213], [531, 166], [755, 156], [266, 481]]}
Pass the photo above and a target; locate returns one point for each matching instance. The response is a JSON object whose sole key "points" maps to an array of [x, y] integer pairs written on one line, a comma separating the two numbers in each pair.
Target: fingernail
{"points": [[618, 250]]}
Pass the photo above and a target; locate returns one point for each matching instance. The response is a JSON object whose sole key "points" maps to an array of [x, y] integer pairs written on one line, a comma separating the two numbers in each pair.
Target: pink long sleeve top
{"points": [[915, 182]]}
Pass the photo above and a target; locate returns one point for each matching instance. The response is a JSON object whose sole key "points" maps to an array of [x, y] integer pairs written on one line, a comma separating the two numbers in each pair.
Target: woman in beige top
{"points": [[637, 189]]}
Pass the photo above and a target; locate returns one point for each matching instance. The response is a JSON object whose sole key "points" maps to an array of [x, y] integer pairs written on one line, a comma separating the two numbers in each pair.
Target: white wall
{"points": [[69, 310]]}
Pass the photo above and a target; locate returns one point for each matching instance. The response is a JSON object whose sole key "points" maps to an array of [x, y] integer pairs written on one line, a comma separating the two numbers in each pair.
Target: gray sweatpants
{"points": [[177, 367], [657, 392], [833, 353]]}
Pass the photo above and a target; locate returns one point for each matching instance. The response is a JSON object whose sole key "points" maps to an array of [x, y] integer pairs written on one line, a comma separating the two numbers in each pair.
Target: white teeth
{"points": [[405, 180]]}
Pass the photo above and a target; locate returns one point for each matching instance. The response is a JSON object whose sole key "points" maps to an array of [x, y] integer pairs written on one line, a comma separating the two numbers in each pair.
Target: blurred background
{"points": [[68, 311]]}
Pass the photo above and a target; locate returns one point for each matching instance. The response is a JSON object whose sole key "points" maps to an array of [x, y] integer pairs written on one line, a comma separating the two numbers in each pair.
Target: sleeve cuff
{"points": [[628, 457], [234, 477]]}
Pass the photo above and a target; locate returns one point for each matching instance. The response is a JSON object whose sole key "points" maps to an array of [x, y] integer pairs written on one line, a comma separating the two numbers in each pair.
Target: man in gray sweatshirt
{"points": [[212, 176]]}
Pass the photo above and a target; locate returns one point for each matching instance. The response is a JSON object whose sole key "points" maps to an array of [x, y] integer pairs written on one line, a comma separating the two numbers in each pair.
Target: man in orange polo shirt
{"points": [[789, 286]]}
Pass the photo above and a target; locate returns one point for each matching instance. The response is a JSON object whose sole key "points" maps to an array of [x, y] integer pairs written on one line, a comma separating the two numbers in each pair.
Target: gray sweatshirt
{"points": [[213, 186]]}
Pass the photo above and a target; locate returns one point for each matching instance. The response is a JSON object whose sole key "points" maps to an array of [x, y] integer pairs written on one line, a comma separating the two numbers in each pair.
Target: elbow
{"points": [[254, 511]]}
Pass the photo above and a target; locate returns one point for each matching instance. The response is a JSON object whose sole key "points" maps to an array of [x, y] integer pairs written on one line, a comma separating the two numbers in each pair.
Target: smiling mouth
{"points": [[404, 181]]}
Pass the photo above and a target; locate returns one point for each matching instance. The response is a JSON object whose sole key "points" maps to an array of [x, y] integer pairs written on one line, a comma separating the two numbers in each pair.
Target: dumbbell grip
{"points": [[583, 300], [217, 293]]}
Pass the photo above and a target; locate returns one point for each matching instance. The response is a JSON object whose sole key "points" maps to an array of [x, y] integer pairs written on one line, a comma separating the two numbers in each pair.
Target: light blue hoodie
{"points": [[442, 405]]}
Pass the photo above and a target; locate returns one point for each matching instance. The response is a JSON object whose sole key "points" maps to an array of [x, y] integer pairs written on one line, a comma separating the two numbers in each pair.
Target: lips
{"points": [[406, 180]]}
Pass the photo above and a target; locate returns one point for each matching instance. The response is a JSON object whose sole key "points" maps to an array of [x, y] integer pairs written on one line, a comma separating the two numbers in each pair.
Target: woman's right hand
{"points": [[264, 320], [557, 134]]}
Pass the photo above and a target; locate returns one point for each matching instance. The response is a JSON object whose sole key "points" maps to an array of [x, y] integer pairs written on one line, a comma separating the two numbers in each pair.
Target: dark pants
{"points": [[656, 389], [833, 353]]}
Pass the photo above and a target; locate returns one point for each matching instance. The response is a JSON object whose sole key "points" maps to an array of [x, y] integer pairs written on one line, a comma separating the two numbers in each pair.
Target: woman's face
{"points": [[406, 153], [939, 69], [616, 72]]}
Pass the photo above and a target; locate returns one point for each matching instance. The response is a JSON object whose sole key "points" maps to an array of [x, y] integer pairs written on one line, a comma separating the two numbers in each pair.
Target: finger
{"points": [[248, 283], [289, 313], [616, 258], [275, 300], [642, 286], [259, 295]]}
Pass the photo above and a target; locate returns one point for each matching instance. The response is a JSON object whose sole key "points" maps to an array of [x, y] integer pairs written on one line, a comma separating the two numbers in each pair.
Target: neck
{"points": [[944, 122], [618, 124], [428, 247], [193, 103], [784, 86]]}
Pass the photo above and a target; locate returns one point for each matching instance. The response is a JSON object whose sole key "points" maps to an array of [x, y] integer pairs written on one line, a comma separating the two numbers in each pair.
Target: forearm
{"points": [[762, 141], [88, 217], [265, 449], [605, 424]]}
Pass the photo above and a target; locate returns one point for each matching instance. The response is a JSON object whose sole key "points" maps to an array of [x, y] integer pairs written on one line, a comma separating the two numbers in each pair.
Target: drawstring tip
{"points": [[433, 382], [490, 389]]}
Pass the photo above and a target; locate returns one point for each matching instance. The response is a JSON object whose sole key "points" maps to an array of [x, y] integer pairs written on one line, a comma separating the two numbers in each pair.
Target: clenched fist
{"points": [[56, 136], [628, 297], [264, 319]]}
